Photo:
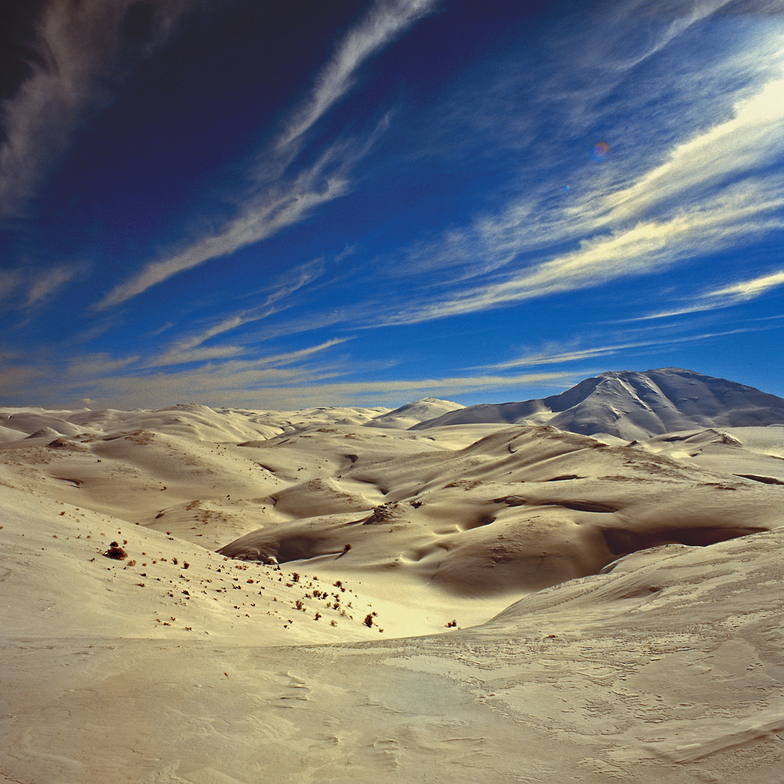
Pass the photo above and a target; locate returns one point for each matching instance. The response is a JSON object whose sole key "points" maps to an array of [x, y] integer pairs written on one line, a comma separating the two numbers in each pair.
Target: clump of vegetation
{"points": [[368, 620], [116, 552]]}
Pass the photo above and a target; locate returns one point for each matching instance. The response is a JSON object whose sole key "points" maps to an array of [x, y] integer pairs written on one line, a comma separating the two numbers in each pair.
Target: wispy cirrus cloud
{"points": [[665, 21], [750, 140], [708, 190], [279, 206], [191, 348], [178, 355], [723, 297], [188, 356], [30, 286], [17, 376], [97, 364], [297, 387], [85, 50], [10, 281], [55, 378], [748, 289], [387, 20], [48, 283], [576, 351], [643, 248], [276, 200], [346, 393], [212, 374], [313, 375]]}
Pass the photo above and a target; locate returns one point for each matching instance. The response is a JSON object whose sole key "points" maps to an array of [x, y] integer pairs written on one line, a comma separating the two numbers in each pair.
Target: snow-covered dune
{"points": [[205, 596]]}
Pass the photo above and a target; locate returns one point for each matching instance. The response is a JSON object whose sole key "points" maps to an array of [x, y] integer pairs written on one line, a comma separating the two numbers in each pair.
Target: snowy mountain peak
{"points": [[634, 405]]}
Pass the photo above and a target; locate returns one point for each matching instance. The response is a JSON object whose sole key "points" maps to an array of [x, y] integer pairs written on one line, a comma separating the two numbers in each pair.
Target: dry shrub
{"points": [[116, 552]]}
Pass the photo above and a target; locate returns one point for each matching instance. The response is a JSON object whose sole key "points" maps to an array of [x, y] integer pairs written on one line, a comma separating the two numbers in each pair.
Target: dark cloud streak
{"points": [[84, 52]]}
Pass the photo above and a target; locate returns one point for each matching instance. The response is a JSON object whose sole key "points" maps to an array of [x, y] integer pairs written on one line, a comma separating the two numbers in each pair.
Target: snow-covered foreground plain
{"points": [[480, 601]]}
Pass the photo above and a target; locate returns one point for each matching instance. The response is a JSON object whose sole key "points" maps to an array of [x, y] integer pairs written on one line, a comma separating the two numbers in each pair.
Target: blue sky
{"points": [[352, 202]]}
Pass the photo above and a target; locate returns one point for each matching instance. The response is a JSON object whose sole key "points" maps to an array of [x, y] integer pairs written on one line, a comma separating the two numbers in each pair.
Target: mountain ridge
{"points": [[632, 404]]}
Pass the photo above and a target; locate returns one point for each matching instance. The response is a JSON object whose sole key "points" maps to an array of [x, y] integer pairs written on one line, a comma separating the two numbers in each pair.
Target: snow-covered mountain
{"points": [[634, 405], [413, 413]]}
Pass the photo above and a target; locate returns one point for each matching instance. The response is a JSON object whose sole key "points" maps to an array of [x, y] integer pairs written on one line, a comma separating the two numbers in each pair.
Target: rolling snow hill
{"points": [[212, 596]]}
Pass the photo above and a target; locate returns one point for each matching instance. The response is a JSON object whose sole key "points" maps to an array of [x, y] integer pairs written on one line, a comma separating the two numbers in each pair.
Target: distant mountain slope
{"points": [[634, 405], [414, 413]]}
